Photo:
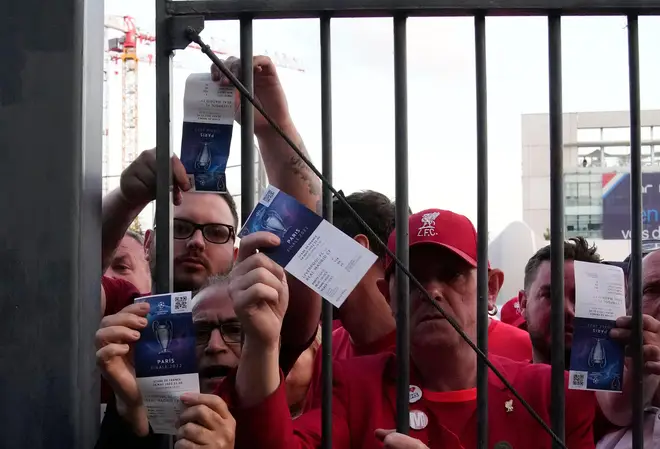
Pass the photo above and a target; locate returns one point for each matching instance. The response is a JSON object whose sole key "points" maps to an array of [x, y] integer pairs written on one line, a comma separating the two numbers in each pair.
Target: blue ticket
{"points": [[311, 249], [597, 361], [208, 117], [165, 360]]}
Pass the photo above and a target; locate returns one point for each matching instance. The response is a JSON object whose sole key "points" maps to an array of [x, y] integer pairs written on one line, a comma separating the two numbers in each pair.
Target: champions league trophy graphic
{"points": [[597, 357], [163, 333], [271, 221], [616, 383], [203, 159]]}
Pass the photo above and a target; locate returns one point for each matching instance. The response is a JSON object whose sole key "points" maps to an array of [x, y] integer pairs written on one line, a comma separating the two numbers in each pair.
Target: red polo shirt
{"points": [[364, 399]]}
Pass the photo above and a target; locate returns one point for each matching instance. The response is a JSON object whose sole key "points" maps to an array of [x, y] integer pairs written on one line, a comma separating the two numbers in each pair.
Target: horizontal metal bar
{"points": [[233, 9], [609, 143]]}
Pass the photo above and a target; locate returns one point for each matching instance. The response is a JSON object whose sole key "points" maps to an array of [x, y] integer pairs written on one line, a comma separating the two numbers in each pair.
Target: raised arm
{"points": [[257, 397], [289, 173], [137, 188]]}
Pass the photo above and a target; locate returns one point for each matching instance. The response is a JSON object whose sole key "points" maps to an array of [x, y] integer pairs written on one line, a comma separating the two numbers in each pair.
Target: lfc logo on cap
{"points": [[427, 228]]}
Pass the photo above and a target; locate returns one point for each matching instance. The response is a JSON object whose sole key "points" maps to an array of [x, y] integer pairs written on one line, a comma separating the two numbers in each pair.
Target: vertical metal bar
{"points": [[556, 227], [248, 178], [163, 278], [326, 149], [401, 178], [483, 319], [50, 126], [636, 228]]}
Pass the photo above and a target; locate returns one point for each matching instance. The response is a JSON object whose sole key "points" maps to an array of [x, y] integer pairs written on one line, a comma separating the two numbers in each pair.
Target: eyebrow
{"points": [[121, 258], [206, 321]]}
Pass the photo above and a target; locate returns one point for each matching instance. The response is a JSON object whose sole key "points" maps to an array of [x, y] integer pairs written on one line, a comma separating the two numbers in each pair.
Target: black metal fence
{"points": [[49, 273], [247, 10]]}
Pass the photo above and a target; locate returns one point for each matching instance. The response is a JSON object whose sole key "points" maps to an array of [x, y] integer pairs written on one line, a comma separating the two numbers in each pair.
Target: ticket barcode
{"points": [[578, 380], [181, 303]]}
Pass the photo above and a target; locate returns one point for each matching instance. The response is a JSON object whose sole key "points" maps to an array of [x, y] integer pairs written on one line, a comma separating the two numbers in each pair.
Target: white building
{"points": [[596, 177]]}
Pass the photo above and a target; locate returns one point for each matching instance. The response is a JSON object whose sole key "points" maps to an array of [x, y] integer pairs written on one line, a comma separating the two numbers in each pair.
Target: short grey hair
{"points": [[137, 236], [212, 281]]}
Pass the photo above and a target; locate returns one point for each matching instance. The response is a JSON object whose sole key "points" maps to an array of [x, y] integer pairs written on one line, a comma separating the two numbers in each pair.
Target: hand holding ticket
{"points": [[208, 118], [311, 249], [597, 359], [165, 359]]}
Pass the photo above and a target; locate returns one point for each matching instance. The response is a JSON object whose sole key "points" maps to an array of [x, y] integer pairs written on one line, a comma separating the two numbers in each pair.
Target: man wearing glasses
{"points": [[204, 231]]}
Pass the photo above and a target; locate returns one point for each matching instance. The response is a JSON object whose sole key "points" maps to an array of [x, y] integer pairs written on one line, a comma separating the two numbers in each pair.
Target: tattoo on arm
{"points": [[301, 169]]}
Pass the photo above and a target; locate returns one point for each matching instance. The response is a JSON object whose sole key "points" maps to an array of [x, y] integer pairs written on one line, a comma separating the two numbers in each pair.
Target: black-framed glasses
{"points": [[231, 332], [213, 232]]}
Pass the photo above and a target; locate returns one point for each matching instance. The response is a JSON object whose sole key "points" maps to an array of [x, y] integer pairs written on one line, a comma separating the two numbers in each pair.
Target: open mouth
{"points": [[216, 371]]}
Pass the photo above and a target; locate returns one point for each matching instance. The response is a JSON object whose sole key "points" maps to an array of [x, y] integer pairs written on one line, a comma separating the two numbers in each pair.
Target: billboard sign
{"points": [[616, 206]]}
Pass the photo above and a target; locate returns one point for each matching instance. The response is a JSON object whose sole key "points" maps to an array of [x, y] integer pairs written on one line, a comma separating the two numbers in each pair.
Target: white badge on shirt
{"points": [[418, 420], [415, 394]]}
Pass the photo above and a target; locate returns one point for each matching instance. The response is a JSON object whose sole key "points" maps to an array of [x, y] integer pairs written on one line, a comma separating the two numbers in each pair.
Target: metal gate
{"points": [[47, 384]]}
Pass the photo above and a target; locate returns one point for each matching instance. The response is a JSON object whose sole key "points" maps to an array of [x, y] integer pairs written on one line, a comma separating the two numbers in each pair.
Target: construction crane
{"points": [[123, 50]]}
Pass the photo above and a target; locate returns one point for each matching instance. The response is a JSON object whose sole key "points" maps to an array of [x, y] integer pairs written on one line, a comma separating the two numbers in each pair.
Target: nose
{"points": [[434, 287], [216, 344], [569, 307], [196, 241]]}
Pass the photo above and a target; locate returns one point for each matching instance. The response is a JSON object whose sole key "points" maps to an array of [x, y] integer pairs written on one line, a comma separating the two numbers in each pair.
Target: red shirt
{"points": [[118, 294], [507, 341], [343, 348], [364, 400], [503, 340]]}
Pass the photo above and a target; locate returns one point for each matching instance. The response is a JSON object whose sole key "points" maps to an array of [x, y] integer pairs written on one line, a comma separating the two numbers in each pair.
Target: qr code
{"points": [[578, 380], [180, 303], [268, 196]]}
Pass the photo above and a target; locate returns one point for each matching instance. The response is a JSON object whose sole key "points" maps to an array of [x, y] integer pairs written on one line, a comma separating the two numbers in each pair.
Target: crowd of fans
{"points": [[258, 337]]}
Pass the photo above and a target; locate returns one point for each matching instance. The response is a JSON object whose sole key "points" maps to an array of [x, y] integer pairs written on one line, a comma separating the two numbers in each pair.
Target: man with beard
{"points": [[614, 409], [535, 299]]}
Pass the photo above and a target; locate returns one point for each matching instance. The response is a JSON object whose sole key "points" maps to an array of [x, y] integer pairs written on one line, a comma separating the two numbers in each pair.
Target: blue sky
{"points": [[442, 129]]}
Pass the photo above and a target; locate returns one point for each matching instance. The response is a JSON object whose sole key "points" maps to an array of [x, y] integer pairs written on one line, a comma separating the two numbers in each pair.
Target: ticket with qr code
{"points": [[596, 359], [311, 249], [165, 361], [208, 118]]}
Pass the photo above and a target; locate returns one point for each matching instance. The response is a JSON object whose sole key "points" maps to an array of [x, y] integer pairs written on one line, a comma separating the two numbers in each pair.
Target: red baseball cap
{"points": [[511, 313], [439, 227]]}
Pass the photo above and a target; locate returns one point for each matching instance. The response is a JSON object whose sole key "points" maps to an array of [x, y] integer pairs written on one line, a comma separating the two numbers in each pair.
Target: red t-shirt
{"points": [[343, 348], [118, 294], [507, 341], [364, 399]]}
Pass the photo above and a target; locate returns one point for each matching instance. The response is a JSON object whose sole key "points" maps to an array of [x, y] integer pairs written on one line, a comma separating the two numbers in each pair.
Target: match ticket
{"points": [[312, 250], [165, 362], [597, 360], [208, 122]]}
